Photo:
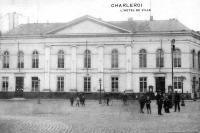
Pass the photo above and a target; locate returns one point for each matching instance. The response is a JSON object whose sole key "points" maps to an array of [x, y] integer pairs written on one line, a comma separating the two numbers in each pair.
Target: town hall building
{"points": [[88, 53]]}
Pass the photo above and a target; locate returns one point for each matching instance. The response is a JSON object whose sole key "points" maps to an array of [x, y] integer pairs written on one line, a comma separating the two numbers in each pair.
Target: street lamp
{"points": [[172, 55], [100, 90], [182, 100], [39, 91]]}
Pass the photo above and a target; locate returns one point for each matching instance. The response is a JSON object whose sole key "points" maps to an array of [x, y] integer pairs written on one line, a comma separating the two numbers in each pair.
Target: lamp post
{"points": [[172, 58], [182, 100], [39, 91], [100, 90]]}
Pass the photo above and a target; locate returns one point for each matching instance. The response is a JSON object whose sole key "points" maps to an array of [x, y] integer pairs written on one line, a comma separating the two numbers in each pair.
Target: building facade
{"points": [[86, 52]]}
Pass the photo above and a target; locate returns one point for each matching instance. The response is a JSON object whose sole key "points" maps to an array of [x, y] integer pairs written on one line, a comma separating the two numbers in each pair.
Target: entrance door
{"points": [[19, 86], [160, 84]]}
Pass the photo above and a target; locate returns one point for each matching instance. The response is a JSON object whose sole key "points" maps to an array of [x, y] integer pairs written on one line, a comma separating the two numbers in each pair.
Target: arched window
{"points": [[177, 58], [193, 59], [114, 58], [61, 59], [87, 59], [143, 58], [159, 58], [6, 59], [35, 59], [20, 59], [199, 60]]}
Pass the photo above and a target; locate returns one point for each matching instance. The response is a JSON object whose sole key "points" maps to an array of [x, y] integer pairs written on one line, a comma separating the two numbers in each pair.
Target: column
{"points": [[47, 67], [128, 67], [100, 64], [73, 75]]}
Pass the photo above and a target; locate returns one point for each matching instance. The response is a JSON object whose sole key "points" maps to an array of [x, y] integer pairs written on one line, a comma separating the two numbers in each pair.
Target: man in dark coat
{"points": [[177, 99], [142, 102], [159, 99]]}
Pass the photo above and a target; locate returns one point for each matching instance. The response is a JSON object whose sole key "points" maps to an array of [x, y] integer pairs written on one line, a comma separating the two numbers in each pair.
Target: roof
{"points": [[130, 25]]}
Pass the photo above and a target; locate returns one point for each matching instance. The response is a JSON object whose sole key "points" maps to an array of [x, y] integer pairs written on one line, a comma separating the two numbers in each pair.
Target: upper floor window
{"points": [[114, 59], [199, 60], [61, 59], [87, 59], [177, 58], [143, 58], [35, 59], [159, 58], [20, 59], [6, 59], [193, 59]]}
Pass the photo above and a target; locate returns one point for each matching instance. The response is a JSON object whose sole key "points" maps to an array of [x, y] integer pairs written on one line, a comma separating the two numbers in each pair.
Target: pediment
{"points": [[87, 26]]}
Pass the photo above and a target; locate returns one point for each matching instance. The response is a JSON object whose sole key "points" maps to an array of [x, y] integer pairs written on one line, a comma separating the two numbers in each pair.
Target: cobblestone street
{"points": [[57, 116]]}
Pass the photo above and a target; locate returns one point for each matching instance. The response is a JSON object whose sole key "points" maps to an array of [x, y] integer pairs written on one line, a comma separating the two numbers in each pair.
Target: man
{"points": [[142, 102], [159, 99], [177, 101]]}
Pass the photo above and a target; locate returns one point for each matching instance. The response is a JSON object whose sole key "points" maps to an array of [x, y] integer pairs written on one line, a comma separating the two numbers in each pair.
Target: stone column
{"points": [[73, 68], [47, 67], [101, 64], [128, 67]]}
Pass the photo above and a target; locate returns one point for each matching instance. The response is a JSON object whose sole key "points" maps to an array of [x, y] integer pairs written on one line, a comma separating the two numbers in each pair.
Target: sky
{"points": [[186, 11]]}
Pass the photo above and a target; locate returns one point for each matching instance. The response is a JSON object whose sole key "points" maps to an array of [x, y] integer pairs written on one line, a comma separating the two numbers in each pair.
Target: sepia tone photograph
{"points": [[99, 66]]}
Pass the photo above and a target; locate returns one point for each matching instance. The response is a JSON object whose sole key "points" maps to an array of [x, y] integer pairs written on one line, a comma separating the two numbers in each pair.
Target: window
{"points": [[87, 84], [177, 58], [114, 59], [177, 83], [35, 84], [20, 59], [6, 59], [199, 60], [143, 84], [143, 58], [114, 84], [159, 58], [87, 59], [193, 59], [4, 83], [35, 59], [60, 84], [61, 58]]}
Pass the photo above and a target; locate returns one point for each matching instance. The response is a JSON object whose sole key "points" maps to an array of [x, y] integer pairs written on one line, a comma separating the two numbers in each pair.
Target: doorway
{"points": [[19, 86], [160, 84]]}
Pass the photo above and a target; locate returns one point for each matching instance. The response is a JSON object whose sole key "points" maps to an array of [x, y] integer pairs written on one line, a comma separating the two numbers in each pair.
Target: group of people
{"points": [[79, 99], [162, 100]]}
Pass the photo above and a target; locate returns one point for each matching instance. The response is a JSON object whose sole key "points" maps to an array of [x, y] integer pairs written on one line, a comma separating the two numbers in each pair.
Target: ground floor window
{"points": [[143, 84], [87, 84], [177, 83], [60, 84], [4, 83], [114, 84], [35, 84]]}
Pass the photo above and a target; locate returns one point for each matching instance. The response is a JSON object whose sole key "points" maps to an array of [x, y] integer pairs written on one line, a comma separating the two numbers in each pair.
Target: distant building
{"points": [[125, 55]]}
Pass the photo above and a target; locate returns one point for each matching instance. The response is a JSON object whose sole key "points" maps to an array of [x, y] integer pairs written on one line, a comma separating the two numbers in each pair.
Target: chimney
{"points": [[130, 19], [151, 18]]}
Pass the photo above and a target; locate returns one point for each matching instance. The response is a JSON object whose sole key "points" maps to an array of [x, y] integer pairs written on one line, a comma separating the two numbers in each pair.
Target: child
{"points": [[148, 105]]}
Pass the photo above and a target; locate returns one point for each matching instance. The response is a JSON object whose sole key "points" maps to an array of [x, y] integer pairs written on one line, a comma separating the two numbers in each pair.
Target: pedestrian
{"points": [[83, 100], [166, 104], [148, 105], [77, 101], [107, 100], [159, 99], [177, 101], [71, 100], [124, 98], [142, 102]]}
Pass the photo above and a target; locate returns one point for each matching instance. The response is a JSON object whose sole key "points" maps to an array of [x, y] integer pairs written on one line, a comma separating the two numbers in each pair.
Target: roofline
{"points": [[136, 34], [86, 17]]}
